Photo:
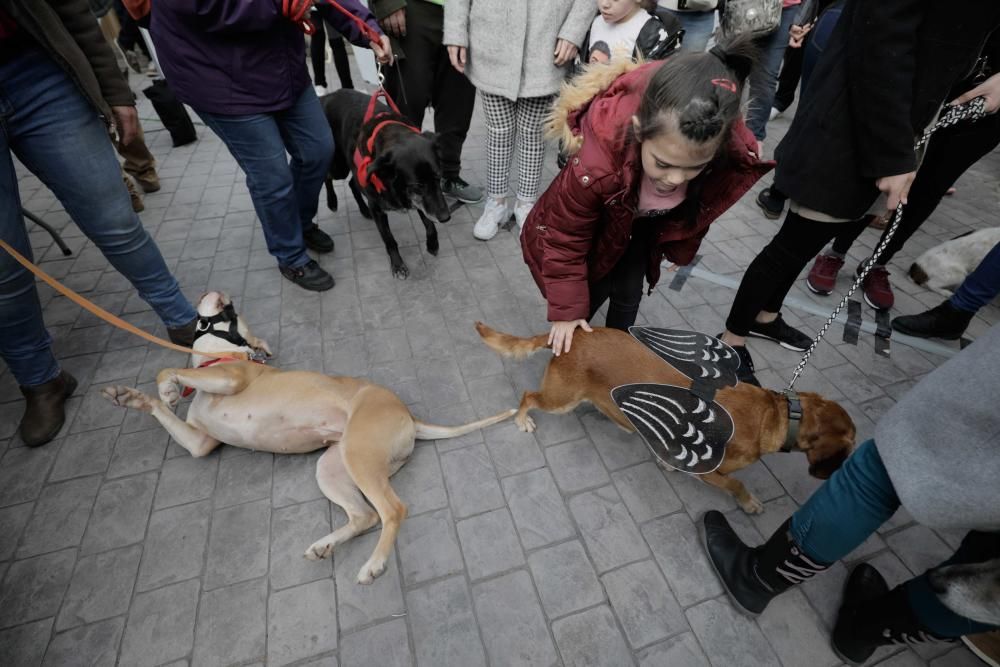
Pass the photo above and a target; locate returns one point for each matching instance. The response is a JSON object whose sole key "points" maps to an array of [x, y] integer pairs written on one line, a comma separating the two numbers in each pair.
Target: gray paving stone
{"points": [[512, 624], [301, 622], [96, 412], [618, 449], [243, 478], [22, 473], [440, 382], [760, 482], [295, 479], [120, 513], [490, 544], [825, 592], [420, 483], [359, 604], [538, 510], [186, 479], [611, 536], [796, 633], [84, 454], [682, 651], [591, 639], [60, 516], [101, 587], [175, 545], [160, 625], [728, 637], [95, 644], [428, 548], [25, 644], [565, 579], [238, 544], [576, 466], [645, 491], [643, 603], [471, 481], [293, 529], [697, 496], [512, 450], [386, 645], [13, 519], [232, 625], [677, 547], [793, 473], [919, 548], [443, 625]]}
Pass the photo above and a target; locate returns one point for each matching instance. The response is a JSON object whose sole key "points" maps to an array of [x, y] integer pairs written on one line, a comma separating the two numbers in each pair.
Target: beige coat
{"points": [[511, 42]]}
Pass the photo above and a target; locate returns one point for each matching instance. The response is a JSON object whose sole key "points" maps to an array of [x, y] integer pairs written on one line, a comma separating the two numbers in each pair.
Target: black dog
{"points": [[401, 172]]}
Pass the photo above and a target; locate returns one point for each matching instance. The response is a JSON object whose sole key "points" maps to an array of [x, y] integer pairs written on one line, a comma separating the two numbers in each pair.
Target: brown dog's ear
{"points": [[823, 468], [827, 435]]}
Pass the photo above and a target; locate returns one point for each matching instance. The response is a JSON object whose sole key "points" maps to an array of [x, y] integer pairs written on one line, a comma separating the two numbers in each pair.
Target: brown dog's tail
{"points": [[511, 346], [917, 274], [435, 432]]}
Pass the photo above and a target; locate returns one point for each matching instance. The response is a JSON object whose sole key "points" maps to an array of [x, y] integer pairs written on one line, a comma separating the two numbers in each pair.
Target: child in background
{"points": [[630, 29]]}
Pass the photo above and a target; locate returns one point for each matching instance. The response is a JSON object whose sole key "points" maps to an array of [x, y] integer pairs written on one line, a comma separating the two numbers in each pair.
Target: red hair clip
{"points": [[725, 83]]}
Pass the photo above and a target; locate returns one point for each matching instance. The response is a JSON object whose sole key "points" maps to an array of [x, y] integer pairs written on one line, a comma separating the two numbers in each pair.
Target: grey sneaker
{"points": [[462, 191]]}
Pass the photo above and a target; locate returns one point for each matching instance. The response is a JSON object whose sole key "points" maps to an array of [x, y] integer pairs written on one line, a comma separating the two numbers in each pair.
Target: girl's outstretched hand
{"points": [[561, 334]]}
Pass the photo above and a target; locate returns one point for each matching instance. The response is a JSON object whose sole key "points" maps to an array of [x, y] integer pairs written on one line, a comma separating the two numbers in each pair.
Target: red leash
{"points": [[296, 10]]}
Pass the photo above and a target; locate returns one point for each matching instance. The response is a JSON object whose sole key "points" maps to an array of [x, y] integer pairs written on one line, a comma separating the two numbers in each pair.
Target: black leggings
{"points": [[773, 272], [317, 51], [622, 285]]}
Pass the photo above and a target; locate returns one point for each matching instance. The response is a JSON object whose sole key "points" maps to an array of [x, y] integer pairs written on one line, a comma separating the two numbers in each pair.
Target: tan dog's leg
{"points": [[336, 484], [187, 436], [224, 379], [747, 502]]}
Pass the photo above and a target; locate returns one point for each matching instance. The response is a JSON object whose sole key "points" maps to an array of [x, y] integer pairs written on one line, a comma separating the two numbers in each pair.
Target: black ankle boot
{"points": [[871, 616], [943, 321], [45, 409], [753, 576]]}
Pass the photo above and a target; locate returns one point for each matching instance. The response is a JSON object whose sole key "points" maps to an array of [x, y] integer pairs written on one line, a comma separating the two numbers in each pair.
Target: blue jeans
{"points": [[285, 193], [850, 506], [698, 28], [764, 77], [57, 134], [981, 286]]}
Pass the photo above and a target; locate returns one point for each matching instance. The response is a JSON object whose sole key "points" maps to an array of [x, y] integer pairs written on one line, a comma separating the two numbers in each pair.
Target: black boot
{"points": [[872, 616], [753, 576], [184, 334], [45, 409], [943, 321]]}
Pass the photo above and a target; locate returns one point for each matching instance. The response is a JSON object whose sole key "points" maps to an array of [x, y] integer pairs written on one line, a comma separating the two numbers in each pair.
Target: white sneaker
{"points": [[775, 113], [521, 210], [320, 90], [495, 214]]}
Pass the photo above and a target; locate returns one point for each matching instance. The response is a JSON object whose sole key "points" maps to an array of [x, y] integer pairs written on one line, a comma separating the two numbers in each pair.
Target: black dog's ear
{"points": [[435, 142], [383, 166]]}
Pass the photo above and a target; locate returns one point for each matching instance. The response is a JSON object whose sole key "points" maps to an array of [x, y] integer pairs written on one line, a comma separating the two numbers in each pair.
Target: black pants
{"points": [[950, 153], [773, 272], [622, 285], [424, 77], [317, 50], [788, 79]]}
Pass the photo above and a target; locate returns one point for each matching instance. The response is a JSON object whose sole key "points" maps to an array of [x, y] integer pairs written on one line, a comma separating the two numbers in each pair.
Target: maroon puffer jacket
{"points": [[581, 225]]}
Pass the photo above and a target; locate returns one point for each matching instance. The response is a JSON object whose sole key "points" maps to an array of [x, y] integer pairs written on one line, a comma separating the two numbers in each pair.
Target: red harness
{"points": [[363, 159], [187, 391]]}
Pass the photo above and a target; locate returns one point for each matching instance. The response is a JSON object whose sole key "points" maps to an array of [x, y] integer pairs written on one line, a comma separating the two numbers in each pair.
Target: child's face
{"points": [[614, 11], [669, 159]]}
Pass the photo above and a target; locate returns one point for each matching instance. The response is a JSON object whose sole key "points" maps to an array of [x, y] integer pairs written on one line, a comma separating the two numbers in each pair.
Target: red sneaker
{"points": [[878, 292], [823, 275]]}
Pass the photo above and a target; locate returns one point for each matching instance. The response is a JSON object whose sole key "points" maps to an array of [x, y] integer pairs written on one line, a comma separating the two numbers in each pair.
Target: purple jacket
{"points": [[238, 57]]}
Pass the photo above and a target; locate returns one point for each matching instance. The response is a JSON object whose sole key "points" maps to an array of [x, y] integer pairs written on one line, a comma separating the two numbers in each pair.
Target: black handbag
{"points": [[172, 113]]}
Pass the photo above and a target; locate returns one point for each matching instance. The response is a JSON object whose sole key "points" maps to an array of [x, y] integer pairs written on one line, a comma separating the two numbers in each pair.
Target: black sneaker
{"points": [[780, 332], [745, 373], [317, 240], [309, 276], [458, 189], [771, 205], [942, 321]]}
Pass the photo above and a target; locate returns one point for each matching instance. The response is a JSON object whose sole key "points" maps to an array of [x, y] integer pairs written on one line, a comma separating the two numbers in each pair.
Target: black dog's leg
{"points": [[359, 197], [432, 233], [331, 196], [399, 269]]}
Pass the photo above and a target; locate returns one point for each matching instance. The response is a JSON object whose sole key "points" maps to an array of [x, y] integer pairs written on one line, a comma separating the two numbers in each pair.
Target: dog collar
{"points": [[363, 161], [794, 422]]}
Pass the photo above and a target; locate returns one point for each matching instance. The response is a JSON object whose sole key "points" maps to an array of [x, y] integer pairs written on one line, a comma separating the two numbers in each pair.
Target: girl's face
{"points": [[614, 11], [669, 159]]}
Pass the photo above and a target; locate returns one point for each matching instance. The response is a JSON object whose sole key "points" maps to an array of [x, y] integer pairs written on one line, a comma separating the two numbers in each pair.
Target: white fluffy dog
{"points": [[945, 266]]}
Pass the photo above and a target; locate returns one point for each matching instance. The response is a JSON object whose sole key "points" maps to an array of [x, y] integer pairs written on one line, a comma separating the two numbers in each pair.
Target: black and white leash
{"points": [[951, 115]]}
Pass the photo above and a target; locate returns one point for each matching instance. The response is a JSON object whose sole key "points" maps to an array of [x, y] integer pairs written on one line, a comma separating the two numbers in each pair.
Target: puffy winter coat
{"points": [[581, 225]]}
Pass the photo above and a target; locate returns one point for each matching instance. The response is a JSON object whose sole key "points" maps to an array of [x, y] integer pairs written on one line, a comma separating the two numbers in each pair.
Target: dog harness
{"points": [[232, 335], [363, 159]]}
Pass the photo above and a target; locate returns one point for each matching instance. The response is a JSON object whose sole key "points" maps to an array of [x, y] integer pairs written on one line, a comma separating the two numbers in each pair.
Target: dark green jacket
{"points": [[68, 32]]}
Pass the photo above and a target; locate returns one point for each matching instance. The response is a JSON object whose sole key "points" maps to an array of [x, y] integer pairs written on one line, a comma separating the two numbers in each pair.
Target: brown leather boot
{"points": [[133, 195], [45, 411]]}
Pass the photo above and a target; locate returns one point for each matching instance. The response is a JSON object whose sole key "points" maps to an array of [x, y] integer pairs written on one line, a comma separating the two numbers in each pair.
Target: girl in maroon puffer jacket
{"points": [[658, 152]]}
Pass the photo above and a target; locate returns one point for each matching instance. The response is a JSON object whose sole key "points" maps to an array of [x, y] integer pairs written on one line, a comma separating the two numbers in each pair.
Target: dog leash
{"points": [[113, 320], [972, 110]]}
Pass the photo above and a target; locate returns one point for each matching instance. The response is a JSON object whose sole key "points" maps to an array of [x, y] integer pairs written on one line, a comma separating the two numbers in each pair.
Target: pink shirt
{"points": [[785, 4], [653, 197]]}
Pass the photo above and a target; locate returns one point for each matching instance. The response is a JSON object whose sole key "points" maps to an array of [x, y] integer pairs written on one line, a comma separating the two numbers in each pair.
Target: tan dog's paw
{"points": [[525, 423], [320, 549], [370, 570], [751, 505], [170, 393], [127, 397]]}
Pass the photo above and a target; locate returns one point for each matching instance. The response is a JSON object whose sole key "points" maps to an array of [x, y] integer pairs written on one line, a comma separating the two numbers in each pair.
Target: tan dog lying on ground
{"points": [[608, 358], [368, 429]]}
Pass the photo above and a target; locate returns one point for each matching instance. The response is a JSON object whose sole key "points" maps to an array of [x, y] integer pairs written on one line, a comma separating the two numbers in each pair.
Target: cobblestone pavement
{"points": [[566, 547]]}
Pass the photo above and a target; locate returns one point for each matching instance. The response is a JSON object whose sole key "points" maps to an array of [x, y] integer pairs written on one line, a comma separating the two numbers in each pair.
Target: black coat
{"points": [[887, 68]]}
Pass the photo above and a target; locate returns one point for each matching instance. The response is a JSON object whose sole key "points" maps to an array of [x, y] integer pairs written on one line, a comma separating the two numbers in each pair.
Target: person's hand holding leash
{"points": [[565, 52], [126, 124], [990, 89], [896, 188], [383, 50], [561, 334], [457, 55], [395, 23]]}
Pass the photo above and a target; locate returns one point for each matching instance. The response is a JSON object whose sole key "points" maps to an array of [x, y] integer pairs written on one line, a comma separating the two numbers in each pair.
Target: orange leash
{"points": [[114, 320]]}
